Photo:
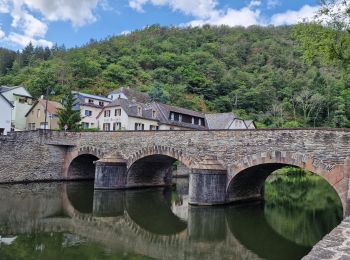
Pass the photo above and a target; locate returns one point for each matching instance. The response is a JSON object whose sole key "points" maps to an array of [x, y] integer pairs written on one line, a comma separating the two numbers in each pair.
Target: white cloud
{"points": [[24, 40], [4, 6], [232, 17], [273, 3], [197, 8], [27, 23], [293, 17], [78, 12], [2, 34], [28, 26], [125, 32]]}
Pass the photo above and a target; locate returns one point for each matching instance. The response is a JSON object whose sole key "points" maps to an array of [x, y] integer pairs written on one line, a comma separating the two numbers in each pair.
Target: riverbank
{"points": [[335, 245]]}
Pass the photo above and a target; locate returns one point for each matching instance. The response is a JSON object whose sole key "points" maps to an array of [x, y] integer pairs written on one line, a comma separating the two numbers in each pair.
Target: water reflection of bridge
{"points": [[117, 222]]}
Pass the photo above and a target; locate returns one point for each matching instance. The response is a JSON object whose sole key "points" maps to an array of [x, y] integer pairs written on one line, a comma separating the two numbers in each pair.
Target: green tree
{"points": [[157, 94], [69, 116]]}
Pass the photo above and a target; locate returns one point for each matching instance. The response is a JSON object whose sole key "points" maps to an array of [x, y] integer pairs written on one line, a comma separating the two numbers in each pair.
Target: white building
{"points": [[90, 107], [22, 102], [5, 115]]}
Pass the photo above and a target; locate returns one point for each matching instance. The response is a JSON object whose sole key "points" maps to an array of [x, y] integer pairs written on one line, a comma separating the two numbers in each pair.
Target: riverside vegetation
{"points": [[259, 73]]}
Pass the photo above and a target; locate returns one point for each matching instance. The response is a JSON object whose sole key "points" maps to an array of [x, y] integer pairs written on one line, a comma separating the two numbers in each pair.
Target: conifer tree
{"points": [[68, 116]]}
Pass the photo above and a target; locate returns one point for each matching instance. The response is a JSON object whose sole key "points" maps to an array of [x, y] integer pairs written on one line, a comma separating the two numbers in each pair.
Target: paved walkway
{"points": [[335, 245]]}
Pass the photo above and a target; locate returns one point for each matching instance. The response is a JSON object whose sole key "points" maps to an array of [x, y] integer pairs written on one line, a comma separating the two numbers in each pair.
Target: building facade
{"points": [[22, 102], [5, 115], [90, 107], [36, 115]]}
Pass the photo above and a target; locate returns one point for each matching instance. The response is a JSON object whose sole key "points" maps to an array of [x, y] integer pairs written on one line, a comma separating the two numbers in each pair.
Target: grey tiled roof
{"points": [[133, 94], [220, 120], [92, 96], [164, 115], [130, 108], [6, 88]]}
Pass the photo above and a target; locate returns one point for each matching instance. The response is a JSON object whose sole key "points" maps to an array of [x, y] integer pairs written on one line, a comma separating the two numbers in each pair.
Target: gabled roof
{"points": [[133, 94], [162, 112], [164, 115], [250, 123], [92, 96], [220, 120], [4, 89], [52, 106], [131, 108], [7, 101]]}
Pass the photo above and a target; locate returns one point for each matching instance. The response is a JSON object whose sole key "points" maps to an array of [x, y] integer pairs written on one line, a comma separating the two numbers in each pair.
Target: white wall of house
{"points": [[89, 121], [5, 115], [20, 108], [113, 118], [125, 122], [146, 122]]}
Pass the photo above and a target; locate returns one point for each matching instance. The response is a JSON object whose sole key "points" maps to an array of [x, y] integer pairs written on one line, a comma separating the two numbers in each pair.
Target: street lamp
{"points": [[46, 98]]}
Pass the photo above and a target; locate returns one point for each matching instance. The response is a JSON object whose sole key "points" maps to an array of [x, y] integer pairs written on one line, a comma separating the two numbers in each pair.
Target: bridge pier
{"points": [[110, 173], [207, 187]]}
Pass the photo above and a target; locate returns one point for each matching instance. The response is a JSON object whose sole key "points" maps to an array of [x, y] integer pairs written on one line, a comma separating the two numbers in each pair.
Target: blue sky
{"points": [[75, 22]]}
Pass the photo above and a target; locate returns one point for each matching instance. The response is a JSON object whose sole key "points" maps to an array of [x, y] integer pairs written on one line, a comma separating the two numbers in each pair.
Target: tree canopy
{"points": [[260, 73]]}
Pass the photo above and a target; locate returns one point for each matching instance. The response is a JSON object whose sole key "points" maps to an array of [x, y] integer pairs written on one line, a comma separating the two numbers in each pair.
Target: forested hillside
{"points": [[257, 72]]}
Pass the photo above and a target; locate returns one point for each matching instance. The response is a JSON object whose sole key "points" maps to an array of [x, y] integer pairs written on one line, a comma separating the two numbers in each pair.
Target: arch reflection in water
{"points": [[152, 223]]}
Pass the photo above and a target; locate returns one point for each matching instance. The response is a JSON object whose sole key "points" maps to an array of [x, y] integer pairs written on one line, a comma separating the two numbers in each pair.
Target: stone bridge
{"points": [[226, 166]]}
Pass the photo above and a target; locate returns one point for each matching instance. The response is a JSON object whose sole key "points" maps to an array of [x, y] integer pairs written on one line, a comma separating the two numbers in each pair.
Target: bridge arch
{"points": [[153, 166], [247, 176], [79, 163]]}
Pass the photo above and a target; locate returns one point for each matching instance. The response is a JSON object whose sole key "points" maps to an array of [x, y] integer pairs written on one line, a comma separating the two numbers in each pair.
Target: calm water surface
{"points": [[72, 221]]}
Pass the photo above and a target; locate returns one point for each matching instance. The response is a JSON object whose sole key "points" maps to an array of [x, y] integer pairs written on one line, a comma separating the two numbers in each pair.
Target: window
{"points": [[117, 126], [44, 125], [153, 127], [154, 114], [38, 113], [2, 131], [172, 115], [85, 125], [31, 126], [118, 112], [107, 113], [180, 118], [106, 127], [139, 126], [100, 103], [91, 101], [139, 111], [22, 100], [88, 113]]}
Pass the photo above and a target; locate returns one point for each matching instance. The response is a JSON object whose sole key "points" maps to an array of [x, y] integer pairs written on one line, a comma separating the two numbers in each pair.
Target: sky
{"points": [[74, 22]]}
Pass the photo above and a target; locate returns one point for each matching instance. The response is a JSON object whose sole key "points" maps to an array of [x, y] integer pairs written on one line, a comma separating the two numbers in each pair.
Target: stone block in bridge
{"points": [[207, 185], [111, 173]]}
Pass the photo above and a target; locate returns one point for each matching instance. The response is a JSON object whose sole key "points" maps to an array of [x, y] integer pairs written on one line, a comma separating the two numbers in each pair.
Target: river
{"points": [[69, 220]]}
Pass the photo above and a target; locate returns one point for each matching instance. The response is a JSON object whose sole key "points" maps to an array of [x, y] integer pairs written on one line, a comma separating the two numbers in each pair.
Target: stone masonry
{"points": [[226, 165]]}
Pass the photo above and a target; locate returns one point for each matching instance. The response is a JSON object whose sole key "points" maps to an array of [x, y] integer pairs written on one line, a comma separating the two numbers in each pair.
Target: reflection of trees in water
{"points": [[59, 246], [151, 210], [302, 208]]}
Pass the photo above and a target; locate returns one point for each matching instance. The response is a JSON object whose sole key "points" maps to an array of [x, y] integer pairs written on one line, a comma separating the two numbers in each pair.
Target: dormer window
{"points": [[154, 114], [91, 101], [100, 103], [139, 111]]}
